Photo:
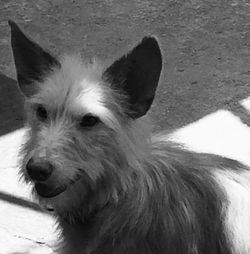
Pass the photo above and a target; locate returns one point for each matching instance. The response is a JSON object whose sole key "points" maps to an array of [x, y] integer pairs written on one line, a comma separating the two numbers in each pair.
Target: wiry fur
{"points": [[138, 192]]}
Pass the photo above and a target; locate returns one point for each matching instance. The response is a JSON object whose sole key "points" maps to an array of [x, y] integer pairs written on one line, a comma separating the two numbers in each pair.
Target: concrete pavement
{"points": [[24, 228]]}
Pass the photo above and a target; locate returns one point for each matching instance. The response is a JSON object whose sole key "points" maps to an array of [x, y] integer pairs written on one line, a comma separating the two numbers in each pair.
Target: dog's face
{"points": [[83, 140]]}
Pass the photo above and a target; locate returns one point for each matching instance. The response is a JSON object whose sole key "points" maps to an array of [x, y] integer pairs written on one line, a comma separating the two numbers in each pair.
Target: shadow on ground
{"points": [[20, 201], [11, 106]]}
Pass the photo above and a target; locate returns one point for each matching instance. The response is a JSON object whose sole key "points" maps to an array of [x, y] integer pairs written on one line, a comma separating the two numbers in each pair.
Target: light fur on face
{"points": [[68, 94]]}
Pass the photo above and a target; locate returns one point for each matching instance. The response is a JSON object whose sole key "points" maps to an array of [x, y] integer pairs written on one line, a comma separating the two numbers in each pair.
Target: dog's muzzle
{"points": [[41, 172]]}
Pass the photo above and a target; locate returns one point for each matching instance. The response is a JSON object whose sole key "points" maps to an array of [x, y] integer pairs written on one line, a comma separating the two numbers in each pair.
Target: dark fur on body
{"points": [[136, 194], [181, 212]]}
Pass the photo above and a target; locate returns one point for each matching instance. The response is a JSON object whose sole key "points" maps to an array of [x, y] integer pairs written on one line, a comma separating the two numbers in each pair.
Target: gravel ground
{"points": [[206, 45]]}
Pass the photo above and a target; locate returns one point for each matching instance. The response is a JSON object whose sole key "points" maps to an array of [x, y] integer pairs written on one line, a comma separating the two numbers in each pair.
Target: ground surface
{"points": [[206, 50], [206, 44]]}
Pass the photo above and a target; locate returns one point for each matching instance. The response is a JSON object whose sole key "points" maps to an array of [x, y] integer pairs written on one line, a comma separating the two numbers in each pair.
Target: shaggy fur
{"points": [[116, 187]]}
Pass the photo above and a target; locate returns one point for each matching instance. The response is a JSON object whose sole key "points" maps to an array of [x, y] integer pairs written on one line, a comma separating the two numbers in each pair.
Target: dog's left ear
{"points": [[137, 74], [32, 62]]}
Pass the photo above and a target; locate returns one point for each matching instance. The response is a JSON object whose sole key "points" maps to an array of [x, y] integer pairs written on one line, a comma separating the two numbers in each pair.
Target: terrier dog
{"points": [[115, 186]]}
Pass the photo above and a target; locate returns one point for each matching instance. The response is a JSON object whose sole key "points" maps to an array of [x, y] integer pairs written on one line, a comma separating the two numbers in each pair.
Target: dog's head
{"points": [[84, 142]]}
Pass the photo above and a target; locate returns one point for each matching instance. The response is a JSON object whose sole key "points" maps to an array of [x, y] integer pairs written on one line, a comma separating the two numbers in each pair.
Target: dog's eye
{"points": [[41, 113], [89, 120]]}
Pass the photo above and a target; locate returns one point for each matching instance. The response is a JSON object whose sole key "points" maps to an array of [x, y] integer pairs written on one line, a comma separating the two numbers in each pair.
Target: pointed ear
{"points": [[31, 61], [137, 74]]}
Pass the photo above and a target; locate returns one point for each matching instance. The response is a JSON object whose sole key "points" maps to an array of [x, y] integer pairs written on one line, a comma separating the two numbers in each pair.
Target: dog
{"points": [[115, 186]]}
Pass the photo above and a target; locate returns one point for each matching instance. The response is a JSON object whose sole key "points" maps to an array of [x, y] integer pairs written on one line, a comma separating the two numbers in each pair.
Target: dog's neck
{"points": [[161, 195], [142, 185]]}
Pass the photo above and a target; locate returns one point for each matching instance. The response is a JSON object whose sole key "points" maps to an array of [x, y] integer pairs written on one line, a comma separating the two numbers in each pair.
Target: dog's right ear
{"points": [[32, 62], [137, 74]]}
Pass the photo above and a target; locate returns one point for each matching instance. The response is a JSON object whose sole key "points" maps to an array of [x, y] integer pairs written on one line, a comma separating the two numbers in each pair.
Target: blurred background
{"points": [[205, 44]]}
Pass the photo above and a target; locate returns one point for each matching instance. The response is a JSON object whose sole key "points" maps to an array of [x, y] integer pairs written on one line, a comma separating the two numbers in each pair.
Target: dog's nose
{"points": [[39, 169]]}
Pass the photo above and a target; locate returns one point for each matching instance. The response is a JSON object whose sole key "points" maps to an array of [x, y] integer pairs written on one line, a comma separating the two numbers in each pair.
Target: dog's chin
{"points": [[46, 191], [50, 189]]}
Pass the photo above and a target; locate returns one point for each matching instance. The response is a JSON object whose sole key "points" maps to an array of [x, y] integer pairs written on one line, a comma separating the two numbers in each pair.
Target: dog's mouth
{"points": [[49, 190], [46, 191]]}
